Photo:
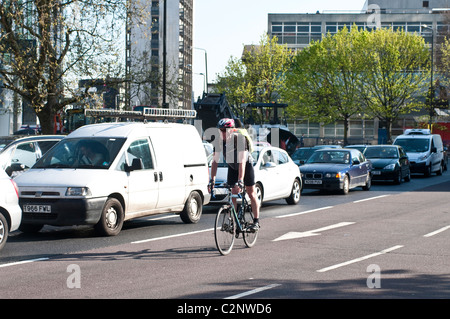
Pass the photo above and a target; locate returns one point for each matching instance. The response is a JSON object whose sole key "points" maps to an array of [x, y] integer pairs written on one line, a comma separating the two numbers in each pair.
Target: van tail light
{"points": [[15, 188]]}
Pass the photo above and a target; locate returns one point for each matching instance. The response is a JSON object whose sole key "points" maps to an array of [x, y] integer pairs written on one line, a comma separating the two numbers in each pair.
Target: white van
{"points": [[104, 174], [425, 150]]}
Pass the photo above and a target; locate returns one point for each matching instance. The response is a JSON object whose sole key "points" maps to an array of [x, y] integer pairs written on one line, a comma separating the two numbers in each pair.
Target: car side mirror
{"points": [[356, 162], [136, 164], [433, 149]]}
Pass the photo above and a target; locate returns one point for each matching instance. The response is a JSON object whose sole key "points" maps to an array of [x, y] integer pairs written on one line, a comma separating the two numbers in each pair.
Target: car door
{"points": [[403, 160], [284, 183], [143, 183], [266, 173]]}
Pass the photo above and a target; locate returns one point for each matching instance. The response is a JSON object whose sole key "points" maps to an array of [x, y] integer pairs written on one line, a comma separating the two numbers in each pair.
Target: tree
{"points": [[47, 45], [396, 74], [258, 76], [322, 83]]}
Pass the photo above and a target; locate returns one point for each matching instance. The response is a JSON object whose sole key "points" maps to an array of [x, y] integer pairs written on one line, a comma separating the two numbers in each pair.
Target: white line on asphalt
{"points": [[254, 291], [171, 236], [360, 259], [23, 262], [437, 231], [305, 212], [309, 233], [366, 199]]}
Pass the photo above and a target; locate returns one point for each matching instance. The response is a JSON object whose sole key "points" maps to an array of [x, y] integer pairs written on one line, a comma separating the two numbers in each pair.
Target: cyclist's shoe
{"points": [[253, 227]]}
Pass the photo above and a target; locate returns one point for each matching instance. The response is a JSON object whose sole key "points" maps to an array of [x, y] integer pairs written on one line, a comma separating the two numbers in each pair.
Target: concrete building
{"points": [[297, 30], [147, 48]]}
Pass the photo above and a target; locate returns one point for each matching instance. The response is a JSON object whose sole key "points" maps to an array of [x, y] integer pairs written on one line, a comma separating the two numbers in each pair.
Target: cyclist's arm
{"points": [[216, 158]]}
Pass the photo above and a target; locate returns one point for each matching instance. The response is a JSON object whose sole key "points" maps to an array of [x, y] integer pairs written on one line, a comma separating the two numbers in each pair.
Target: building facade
{"points": [[158, 63], [298, 30]]}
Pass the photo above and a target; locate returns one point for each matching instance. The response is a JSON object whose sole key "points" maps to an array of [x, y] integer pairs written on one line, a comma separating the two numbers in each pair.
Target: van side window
{"points": [[140, 149]]}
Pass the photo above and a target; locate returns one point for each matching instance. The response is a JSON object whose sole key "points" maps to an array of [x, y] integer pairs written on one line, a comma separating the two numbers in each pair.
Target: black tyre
{"points": [[294, 197], [192, 209], [4, 231], [224, 230], [111, 220], [30, 228], [345, 185], [249, 236]]}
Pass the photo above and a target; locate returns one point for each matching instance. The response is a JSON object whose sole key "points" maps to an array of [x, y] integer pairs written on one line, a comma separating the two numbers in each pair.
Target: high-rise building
{"points": [[430, 19], [159, 53]]}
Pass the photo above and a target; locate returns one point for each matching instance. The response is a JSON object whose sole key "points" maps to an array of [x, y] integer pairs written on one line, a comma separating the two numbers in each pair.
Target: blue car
{"points": [[336, 170]]}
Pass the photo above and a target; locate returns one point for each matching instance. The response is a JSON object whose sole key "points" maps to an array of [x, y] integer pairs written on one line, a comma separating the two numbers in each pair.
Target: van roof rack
{"points": [[148, 113], [417, 131]]}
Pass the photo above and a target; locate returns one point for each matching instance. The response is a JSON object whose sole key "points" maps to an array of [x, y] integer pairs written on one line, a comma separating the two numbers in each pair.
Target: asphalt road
{"points": [[389, 242]]}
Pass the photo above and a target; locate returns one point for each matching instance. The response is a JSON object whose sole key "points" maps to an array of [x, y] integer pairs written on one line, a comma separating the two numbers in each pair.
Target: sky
{"points": [[223, 27]]}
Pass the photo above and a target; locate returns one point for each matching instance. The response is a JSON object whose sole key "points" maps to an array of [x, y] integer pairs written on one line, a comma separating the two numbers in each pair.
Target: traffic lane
{"points": [[190, 267], [52, 241]]}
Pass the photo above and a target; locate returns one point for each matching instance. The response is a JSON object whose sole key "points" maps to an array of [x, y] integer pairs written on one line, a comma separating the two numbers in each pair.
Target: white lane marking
{"points": [[315, 232], [360, 259], [366, 199], [305, 212], [437, 231], [171, 236], [254, 291], [23, 262]]}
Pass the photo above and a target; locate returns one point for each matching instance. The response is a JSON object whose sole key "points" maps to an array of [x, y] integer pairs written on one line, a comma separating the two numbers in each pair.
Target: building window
{"points": [[426, 4]]}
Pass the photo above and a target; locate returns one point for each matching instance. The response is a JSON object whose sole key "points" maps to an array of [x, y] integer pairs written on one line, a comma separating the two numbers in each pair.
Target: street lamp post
{"points": [[206, 67], [431, 97]]}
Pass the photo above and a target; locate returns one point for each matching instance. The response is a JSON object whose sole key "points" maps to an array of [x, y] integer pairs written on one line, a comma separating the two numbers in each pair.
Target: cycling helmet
{"points": [[226, 123]]}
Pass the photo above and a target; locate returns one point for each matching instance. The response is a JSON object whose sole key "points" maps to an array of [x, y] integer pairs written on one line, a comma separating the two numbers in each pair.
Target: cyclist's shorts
{"points": [[249, 177]]}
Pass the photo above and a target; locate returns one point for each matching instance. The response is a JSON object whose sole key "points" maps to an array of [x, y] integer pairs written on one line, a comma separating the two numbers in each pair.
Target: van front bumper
{"points": [[418, 167], [61, 212]]}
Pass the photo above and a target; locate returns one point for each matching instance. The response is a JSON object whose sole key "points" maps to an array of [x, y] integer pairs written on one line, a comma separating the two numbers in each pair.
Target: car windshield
{"points": [[418, 145], [82, 153], [302, 154], [335, 157], [381, 152]]}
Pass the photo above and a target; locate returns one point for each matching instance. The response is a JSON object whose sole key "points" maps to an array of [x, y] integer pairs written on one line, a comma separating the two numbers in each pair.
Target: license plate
{"points": [[376, 172], [313, 181], [37, 208]]}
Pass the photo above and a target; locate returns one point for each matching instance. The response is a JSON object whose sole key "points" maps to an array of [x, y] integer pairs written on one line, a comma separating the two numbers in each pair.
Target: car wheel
{"points": [[192, 209], [398, 177], [368, 183], [4, 231], [294, 197], [408, 176], [111, 220], [259, 193], [345, 185]]}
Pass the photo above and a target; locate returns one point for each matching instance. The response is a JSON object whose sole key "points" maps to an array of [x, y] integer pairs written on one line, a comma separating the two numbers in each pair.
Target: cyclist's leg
{"points": [[249, 181], [232, 178]]}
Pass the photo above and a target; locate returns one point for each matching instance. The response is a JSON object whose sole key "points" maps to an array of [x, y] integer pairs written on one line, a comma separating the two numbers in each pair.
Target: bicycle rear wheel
{"points": [[248, 235], [224, 230]]}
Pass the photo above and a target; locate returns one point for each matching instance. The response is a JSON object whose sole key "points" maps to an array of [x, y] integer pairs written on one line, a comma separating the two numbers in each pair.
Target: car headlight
{"points": [[78, 191], [333, 175], [423, 158], [390, 167]]}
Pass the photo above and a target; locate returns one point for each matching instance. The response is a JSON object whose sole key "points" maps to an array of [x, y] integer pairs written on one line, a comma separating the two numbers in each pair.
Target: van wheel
{"points": [[440, 170], [111, 220], [4, 231], [192, 209]]}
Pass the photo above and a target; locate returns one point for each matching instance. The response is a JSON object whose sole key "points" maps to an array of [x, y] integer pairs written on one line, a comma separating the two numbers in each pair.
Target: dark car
{"points": [[22, 153], [301, 155], [336, 169], [389, 162]]}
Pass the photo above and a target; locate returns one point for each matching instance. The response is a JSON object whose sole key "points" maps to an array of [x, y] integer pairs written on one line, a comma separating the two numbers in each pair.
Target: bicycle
{"points": [[229, 224]]}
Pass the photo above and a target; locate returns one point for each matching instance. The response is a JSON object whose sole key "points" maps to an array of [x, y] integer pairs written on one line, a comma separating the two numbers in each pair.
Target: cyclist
{"points": [[235, 150]]}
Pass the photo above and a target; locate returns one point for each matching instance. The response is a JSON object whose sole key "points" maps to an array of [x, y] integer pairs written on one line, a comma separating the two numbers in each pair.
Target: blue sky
{"points": [[223, 27]]}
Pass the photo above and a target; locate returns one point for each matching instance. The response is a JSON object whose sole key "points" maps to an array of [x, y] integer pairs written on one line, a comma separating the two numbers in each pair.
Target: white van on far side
{"points": [[425, 150], [104, 174]]}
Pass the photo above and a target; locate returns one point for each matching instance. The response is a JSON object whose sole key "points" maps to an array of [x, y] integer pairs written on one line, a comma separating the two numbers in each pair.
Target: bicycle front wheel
{"points": [[224, 230], [249, 235]]}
